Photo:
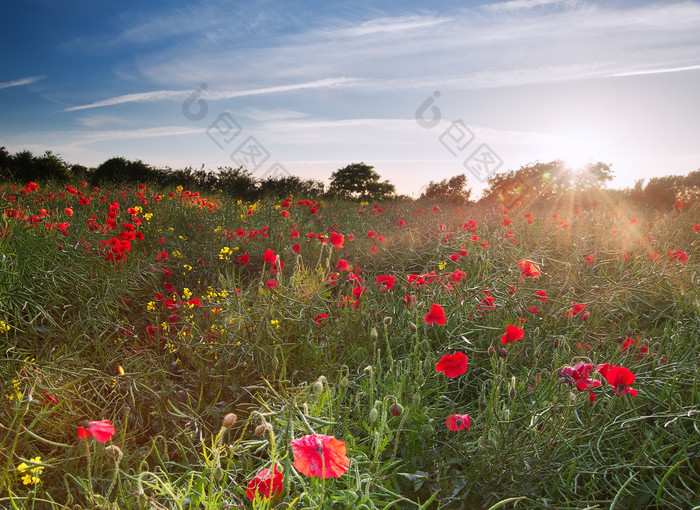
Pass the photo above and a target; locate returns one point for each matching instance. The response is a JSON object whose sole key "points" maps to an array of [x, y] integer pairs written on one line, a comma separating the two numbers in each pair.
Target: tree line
{"points": [[552, 181]]}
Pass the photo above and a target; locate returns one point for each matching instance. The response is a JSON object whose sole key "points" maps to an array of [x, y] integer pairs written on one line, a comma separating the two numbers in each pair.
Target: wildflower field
{"points": [[166, 349]]}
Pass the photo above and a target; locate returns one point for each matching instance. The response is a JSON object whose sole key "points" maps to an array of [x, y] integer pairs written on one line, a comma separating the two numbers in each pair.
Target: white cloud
{"points": [[22, 81]]}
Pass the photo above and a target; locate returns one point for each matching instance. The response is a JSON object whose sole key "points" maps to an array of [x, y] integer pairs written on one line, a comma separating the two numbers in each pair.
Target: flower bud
{"points": [[556, 343], [412, 327], [114, 451], [416, 399], [229, 420], [511, 393], [396, 409], [275, 362], [317, 388], [373, 414], [345, 382], [492, 351], [387, 321], [503, 353], [260, 430], [368, 370], [373, 335]]}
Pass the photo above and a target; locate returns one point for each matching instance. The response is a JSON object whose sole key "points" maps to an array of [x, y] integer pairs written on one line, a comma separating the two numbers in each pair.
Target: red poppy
{"points": [[578, 375], [629, 344], [321, 456], [270, 257], [512, 334], [620, 378], [373, 249], [271, 283], [589, 259], [319, 317], [575, 310], [401, 223], [507, 222], [296, 248], [532, 309], [458, 422], [284, 213], [101, 430], [678, 205], [436, 315], [243, 259], [696, 228], [343, 265], [453, 365], [542, 296], [679, 256], [337, 240], [266, 483], [528, 269], [386, 282]]}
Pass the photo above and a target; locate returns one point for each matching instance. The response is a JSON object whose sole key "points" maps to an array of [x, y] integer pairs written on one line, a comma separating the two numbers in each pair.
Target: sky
{"points": [[419, 90]]}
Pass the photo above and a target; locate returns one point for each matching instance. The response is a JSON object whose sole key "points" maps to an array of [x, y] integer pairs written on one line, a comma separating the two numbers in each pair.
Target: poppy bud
{"points": [[368, 370], [420, 305], [345, 382], [511, 393], [420, 379], [317, 388], [373, 335], [229, 420], [416, 399], [556, 343], [275, 362], [373, 415], [396, 409], [503, 353], [412, 327], [387, 321], [491, 351], [260, 430]]}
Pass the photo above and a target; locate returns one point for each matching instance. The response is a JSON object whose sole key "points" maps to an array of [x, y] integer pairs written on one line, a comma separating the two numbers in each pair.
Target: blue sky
{"points": [[309, 87]]}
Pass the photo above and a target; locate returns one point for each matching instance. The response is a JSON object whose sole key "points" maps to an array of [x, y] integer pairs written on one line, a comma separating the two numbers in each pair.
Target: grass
{"points": [[364, 374]]}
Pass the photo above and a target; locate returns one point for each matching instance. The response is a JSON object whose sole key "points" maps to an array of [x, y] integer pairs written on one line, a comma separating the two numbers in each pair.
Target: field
{"points": [[419, 355]]}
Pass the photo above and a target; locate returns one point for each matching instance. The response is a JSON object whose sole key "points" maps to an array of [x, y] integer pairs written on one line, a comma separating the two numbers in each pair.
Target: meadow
{"points": [[163, 348]]}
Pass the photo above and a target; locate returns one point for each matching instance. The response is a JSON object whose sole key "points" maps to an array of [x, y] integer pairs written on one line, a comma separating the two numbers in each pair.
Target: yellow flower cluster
{"points": [[4, 328], [31, 474]]}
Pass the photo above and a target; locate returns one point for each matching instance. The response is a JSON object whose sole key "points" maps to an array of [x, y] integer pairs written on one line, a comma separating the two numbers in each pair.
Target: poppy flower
{"points": [[343, 265], [453, 365], [319, 317], [435, 315], [575, 310], [620, 378], [542, 296], [271, 284], [629, 344], [528, 269], [243, 259], [270, 257], [266, 483], [533, 309], [679, 256], [101, 430], [296, 248], [386, 282], [320, 456], [512, 334], [578, 375], [337, 240], [589, 259], [696, 228], [678, 205], [458, 422]]}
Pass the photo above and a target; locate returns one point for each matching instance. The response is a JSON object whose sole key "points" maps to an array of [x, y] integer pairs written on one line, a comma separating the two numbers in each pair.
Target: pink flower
{"points": [[100, 430], [458, 422]]}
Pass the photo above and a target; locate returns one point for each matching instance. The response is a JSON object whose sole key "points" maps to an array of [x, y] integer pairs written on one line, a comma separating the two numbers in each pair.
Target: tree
{"points": [[453, 191], [359, 180]]}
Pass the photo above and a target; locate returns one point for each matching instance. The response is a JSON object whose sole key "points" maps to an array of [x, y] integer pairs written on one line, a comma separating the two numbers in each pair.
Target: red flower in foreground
{"points": [[337, 240], [321, 456], [578, 376], [270, 257], [271, 284], [542, 296], [453, 365], [575, 310], [458, 422], [528, 269], [436, 315], [386, 282], [243, 259], [319, 317], [266, 483], [512, 334], [100, 430], [621, 378]]}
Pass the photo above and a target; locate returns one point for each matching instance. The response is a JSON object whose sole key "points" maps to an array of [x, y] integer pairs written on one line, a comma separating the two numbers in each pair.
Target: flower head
{"points": [[321, 456], [458, 422], [453, 365], [620, 378], [512, 334], [101, 430], [528, 269], [266, 483], [435, 315]]}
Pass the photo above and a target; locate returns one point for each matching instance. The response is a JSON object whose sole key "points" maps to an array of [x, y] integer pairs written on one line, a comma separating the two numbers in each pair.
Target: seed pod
{"points": [[373, 414], [511, 393], [229, 420]]}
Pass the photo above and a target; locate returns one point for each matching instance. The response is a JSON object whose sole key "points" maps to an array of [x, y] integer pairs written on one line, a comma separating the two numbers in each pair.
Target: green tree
{"points": [[453, 190], [359, 180]]}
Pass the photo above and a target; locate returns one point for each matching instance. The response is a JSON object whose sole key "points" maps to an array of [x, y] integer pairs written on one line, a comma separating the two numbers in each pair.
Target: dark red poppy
{"points": [[243, 259], [436, 315], [453, 365], [458, 422], [270, 257], [320, 456], [266, 483], [512, 334]]}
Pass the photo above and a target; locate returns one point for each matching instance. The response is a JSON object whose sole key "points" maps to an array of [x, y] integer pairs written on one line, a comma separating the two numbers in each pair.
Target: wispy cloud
{"points": [[178, 95], [658, 70], [391, 25], [515, 5], [119, 134], [22, 81]]}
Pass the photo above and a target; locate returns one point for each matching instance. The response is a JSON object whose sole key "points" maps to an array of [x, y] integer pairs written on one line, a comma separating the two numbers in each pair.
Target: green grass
{"points": [[365, 374]]}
